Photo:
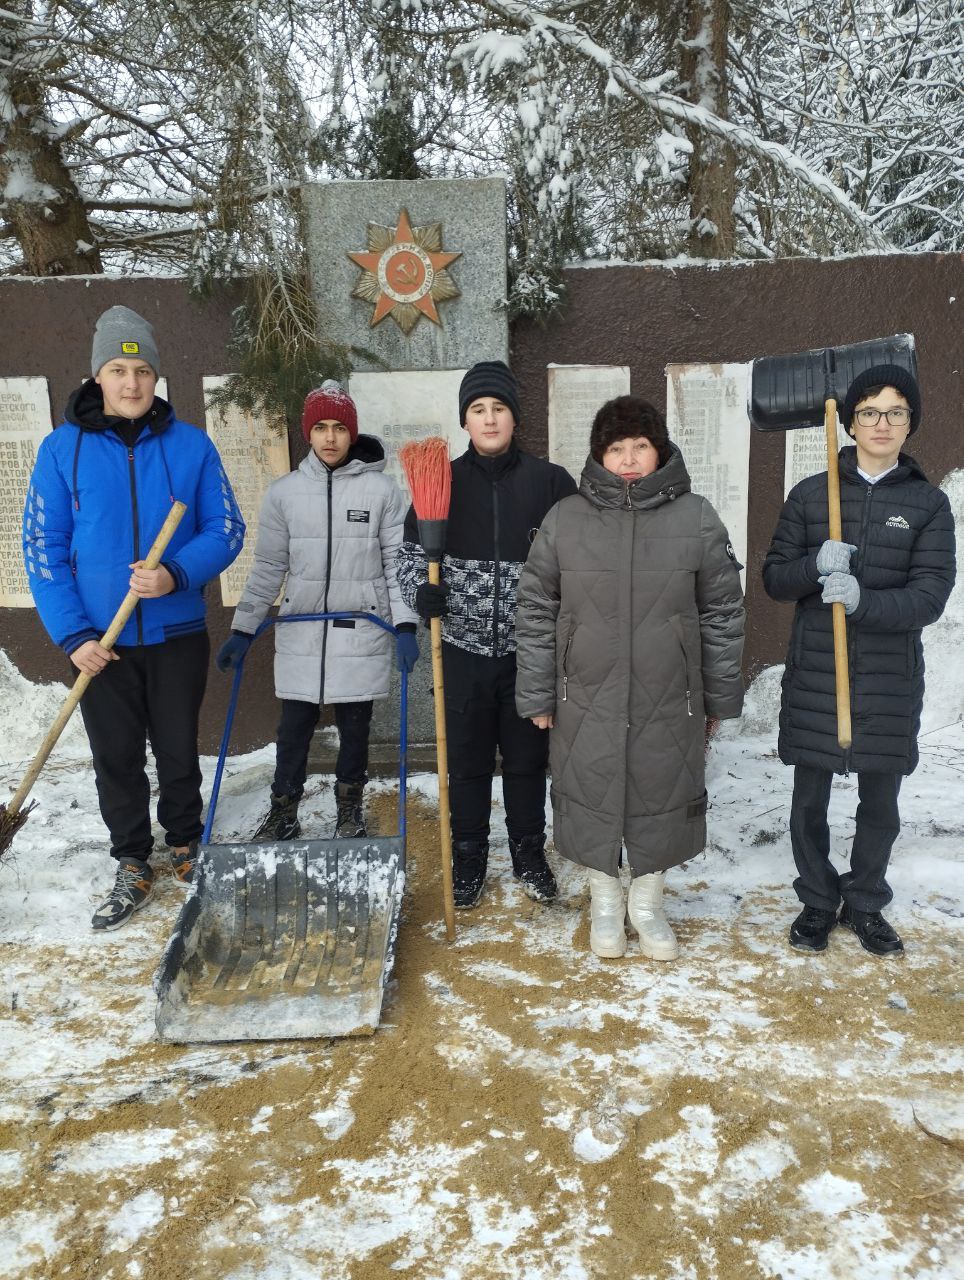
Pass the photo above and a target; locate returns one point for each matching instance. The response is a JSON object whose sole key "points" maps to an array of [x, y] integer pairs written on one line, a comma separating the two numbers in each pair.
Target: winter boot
{"points": [[282, 820], [470, 858], [530, 868], [607, 912], [872, 930], [350, 819], [133, 886], [656, 938], [811, 929], [184, 863]]}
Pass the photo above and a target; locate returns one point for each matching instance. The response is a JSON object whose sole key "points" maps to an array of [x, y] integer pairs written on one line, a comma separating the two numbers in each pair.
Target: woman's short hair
{"points": [[628, 418]]}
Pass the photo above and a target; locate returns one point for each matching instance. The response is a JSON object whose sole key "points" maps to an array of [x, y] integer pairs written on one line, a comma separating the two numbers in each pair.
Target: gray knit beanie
{"points": [[121, 332]]}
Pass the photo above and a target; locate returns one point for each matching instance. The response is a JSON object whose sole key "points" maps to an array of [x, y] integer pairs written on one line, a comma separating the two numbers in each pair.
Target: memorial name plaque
{"points": [[24, 421], [706, 416], [397, 407], [253, 454], [807, 453], [576, 392]]}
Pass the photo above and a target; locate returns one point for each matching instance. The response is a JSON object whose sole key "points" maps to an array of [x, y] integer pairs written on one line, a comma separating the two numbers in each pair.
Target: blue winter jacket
{"points": [[95, 505]]}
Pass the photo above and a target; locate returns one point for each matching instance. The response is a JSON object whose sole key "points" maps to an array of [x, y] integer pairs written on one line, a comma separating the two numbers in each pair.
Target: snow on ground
{"points": [[525, 1110]]}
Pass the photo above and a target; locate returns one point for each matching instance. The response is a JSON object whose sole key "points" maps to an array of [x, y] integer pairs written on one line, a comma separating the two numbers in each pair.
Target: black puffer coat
{"points": [[904, 532]]}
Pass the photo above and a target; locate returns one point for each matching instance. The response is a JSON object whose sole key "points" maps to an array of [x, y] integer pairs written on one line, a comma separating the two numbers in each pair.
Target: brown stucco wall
{"points": [[647, 317], [642, 316]]}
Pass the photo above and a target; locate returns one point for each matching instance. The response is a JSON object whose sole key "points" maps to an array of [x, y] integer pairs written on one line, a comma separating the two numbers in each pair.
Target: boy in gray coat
{"points": [[330, 532]]}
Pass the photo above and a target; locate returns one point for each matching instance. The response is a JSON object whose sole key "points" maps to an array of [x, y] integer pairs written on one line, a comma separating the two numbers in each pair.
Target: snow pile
{"points": [[944, 640], [26, 713]]}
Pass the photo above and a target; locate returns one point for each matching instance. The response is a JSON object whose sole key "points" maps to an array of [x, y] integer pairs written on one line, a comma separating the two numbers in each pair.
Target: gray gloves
{"points": [[841, 588], [834, 557]]}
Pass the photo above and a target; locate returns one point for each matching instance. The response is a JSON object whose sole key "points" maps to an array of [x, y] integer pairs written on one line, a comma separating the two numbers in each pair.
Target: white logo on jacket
{"points": [[896, 522]]}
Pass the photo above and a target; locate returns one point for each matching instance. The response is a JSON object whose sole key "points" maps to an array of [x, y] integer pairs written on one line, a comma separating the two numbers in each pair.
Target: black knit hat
{"points": [[489, 378], [628, 418], [883, 375]]}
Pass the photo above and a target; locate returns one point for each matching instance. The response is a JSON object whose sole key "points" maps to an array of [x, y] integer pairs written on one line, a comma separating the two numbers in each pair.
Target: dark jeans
{"points": [[864, 887], [298, 720], [152, 693], [480, 718]]}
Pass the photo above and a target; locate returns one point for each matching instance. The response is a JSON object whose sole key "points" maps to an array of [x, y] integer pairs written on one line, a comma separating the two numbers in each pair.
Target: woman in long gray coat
{"points": [[630, 634], [329, 532]]}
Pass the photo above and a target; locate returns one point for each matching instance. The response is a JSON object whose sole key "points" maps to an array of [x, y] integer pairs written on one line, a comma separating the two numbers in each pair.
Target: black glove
{"points": [[231, 654], [431, 601]]}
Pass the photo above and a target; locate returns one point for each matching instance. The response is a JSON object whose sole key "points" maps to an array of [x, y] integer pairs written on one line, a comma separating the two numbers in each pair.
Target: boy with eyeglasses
{"points": [[893, 574]]}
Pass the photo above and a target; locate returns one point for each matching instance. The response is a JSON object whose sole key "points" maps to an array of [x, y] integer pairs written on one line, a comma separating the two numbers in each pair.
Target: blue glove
{"points": [[406, 651], [834, 557], [231, 654], [841, 588]]}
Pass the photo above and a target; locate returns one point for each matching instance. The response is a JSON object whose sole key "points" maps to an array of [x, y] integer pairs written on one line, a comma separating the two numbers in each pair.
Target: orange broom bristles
{"points": [[429, 476]]}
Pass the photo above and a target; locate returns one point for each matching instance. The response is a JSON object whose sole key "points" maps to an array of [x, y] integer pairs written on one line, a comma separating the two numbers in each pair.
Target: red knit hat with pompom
{"points": [[329, 402]]}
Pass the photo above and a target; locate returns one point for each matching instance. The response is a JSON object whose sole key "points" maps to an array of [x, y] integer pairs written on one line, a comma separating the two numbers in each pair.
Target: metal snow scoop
{"points": [[802, 390], [285, 940]]}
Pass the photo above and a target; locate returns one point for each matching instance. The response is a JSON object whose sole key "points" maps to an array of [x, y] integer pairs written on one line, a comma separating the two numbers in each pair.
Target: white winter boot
{"points": [[656, 939], [607, 935]]}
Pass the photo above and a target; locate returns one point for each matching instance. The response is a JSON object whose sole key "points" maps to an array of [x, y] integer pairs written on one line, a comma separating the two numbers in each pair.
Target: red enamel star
{"points": [[404, 272]]}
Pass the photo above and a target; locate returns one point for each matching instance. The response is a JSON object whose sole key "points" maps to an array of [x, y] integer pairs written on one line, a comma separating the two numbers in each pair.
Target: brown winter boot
{"points": [[350, 818]]}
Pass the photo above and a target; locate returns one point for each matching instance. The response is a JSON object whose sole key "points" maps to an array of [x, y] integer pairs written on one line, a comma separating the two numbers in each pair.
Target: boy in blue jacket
{"points": [[101, 488]]}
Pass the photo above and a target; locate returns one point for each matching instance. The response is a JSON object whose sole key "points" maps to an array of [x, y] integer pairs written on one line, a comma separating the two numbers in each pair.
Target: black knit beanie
{"points": [[628, 418], [883, 375], [490, 378]]}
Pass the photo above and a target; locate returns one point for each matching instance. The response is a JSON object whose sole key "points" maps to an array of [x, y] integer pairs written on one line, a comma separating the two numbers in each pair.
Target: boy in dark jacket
{"points": [[893, 574], [101, 488], [500, 495]]}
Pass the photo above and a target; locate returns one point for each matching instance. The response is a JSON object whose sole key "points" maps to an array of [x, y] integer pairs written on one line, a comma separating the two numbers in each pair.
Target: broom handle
{"points": [[442, 748], [108, 641], [840, 661]]}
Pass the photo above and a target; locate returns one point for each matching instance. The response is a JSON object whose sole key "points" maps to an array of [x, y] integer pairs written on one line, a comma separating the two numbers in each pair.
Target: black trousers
{"points": [[864, 887], [298, 721], [153, 693], [480, 719]]}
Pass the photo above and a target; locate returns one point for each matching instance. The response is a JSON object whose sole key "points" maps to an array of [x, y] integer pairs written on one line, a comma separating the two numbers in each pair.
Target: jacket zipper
{"points": [[565, 673], [137, 535], [324, 634], [496, 584]]}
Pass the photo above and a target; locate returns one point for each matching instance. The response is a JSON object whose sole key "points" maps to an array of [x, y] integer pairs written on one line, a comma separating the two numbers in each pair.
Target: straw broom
{"points": [[429, 475], [14, 815]]}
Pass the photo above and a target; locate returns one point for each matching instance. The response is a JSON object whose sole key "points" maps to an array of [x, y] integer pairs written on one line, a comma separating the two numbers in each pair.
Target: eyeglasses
{"points": [[896, 417]]}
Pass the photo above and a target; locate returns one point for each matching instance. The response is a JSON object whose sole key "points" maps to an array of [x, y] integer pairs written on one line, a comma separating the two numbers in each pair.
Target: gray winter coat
{"points": [[630, 633], [331, 537]]}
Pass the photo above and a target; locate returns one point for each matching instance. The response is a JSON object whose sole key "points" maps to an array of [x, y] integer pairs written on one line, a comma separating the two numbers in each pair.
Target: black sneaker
{"points": [[811, 929], [350, 820], [282, 820], [470, 858], [530, 868], [184, 863], [133, 886], [873, 932]]}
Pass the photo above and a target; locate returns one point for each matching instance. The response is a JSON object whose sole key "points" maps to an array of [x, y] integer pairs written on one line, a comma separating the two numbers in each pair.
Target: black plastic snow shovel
{"points": [[803, 390], [289, 939]]}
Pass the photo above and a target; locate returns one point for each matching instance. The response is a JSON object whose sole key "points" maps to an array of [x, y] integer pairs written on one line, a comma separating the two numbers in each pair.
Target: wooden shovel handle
{"points": [[442, 750], [108, 640], [840, 661]]}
